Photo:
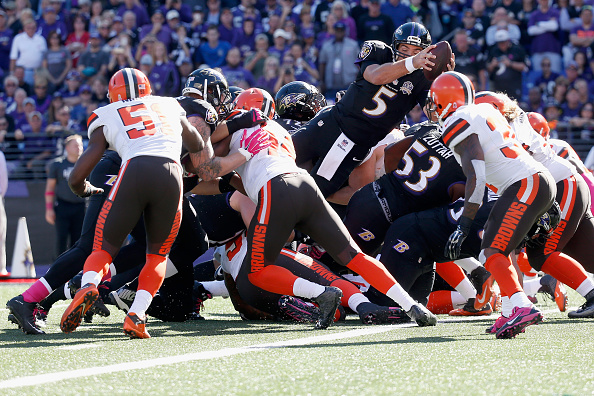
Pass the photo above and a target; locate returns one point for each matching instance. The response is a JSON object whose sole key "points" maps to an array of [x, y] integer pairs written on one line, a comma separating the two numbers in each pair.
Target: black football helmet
{"points": [[298, 101], [544, 226], [411, 33], [211, 85]]}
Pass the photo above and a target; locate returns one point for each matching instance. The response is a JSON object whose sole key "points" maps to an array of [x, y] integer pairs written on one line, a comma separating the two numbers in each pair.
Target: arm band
{"points": [[48, 193], [49, 205], [408, 63], [479, 187]]}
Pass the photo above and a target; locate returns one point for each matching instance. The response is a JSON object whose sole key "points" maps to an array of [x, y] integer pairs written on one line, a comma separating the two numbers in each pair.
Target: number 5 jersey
{"points": [[147, 126]]}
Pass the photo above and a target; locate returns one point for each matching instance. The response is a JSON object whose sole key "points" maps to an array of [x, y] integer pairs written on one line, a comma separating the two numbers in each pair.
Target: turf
{"points": [[454, 357]]}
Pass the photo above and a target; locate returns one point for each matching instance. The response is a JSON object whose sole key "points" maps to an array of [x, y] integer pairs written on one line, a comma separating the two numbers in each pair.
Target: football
{"points": [[443, 54]]}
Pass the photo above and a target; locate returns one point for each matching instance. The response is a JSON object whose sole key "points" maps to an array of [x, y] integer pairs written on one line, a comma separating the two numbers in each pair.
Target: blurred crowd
{"points": [[57, 56]]}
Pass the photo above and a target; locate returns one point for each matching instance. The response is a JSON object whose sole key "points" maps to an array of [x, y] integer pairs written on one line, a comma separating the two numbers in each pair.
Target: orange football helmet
{"points": [[449, 92], [256, 98], [128, 83], [497, 100], [539, 124]]}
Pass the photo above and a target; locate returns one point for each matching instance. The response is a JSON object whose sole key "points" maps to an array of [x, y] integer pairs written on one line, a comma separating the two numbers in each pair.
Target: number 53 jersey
{"points": [[147, 126]]}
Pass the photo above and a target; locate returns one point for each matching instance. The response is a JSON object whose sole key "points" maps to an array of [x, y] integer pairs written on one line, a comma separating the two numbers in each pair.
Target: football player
{"points": [[296, 103], [389, 84], [148, 132]]}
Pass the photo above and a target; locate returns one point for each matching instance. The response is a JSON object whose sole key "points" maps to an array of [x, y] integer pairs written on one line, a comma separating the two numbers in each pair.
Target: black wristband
{"points": [[232, 126], [465, 223]]}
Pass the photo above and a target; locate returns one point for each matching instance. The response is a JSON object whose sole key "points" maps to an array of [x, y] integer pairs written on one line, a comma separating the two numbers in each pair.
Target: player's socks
{"points": [[38, 291], [531, 286], [348, 290], [142, 301], [378, 276], [568, 271], [152, 275], [504, 273], [216, 288], [440, 302], [55, 296], [506, 306], [519, 299], [279, 280], [525, 265], [304, 288], [455, 277], [468, 264], [96, 267]]}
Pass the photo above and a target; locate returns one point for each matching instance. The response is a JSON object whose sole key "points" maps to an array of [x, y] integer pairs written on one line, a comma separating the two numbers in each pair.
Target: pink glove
{"points": [[253, 144]]}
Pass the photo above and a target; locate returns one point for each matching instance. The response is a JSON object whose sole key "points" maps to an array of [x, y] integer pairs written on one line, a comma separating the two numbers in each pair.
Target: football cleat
{"points": [[520, 318], [40, 316], [495, 302], [84, 298], [23, 315], [585, 311], [134, 327], [422, 316], [98, 308], [328, 303], [469, 310], [555, 290], [482, 280], [200, 295], [123, 297], [379, 315], [497, 325], [298, 310]]}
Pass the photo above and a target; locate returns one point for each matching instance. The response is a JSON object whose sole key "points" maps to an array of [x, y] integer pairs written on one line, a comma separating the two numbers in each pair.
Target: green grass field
{"points": [[227, 356]]}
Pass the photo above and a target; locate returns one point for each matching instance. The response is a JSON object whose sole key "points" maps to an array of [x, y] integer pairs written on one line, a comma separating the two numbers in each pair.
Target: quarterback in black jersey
{"points": [[427, 176], [389, 84]]}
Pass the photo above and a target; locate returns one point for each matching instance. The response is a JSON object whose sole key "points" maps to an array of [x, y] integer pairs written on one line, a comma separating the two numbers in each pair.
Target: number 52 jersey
{"points": [[147, 126]]}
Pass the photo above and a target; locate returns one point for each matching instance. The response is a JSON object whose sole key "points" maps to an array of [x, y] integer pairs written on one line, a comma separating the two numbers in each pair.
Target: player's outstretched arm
{"points": [[473, 165], [389, 72], [85, 164]]}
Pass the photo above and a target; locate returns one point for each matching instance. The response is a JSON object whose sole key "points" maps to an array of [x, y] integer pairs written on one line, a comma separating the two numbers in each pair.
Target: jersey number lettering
{"points": [[286, 148], [142, 121], [511, 151], [233, 247], [381, 106], [424, 175]]}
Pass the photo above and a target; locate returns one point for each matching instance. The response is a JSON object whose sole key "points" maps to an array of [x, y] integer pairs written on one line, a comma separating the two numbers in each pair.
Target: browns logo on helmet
{"points": [[128, 83], [256, 98]]}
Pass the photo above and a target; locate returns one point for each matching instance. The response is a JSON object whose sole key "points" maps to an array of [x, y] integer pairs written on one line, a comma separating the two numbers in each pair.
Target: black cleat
{"points": [[422, 316], [328, 302], [123, 297], [298, 310], [22, 313], [373, 314], [586, 310]]}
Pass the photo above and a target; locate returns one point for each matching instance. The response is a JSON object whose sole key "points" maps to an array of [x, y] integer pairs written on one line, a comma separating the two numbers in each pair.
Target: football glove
{"points": [[454, 244], [254, 143], [90, 190], [249, 119]]}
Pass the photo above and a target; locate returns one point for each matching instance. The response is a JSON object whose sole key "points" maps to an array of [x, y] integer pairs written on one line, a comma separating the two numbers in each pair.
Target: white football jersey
{"points": [[506, 162], [394, 136], [145, 126], [536, 145], [279, 158], [564, 150], [231, 254]]}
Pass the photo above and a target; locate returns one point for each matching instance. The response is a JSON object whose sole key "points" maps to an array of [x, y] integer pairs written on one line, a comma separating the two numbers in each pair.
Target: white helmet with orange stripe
{"points": [[449, 92]]}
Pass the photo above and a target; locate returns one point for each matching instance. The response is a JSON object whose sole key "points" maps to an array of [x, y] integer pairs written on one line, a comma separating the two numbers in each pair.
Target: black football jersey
{"points": [[368, 112], [425, 172], [220, 222], [201, 108], [290, 126]]}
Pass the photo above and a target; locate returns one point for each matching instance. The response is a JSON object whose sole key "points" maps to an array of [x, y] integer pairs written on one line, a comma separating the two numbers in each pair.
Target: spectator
{"points": [[185, 68], [173, 20], [305, 71], [104, 30], [6, 36], [19, 73], [337, 62], [288, 18], [235, 73], [500, 21], [306, 24], [245, 39], [78, 114], [375, 25], [182, 46], [9, 120], [39, 147], [546, 80], [121, 57], [164, 77], [63, 208], [227, 30], [341, 12], [134, 6], [241, 11], [560, 89], [479, 10], [513, 8], [543, 27], [213, 52], [474, 28], [63, 127], [290, 27], [56, 60], [117, 26], [270, 75], [310, 50], [448, 13], [183, 11], [584, 121], [572, 72], [56, 103], [214, 13], [271, 7], [399, 12], [27, 51], [17, 109], [280, 43], [572, 106], [255, 62], [321, 14], [93, 61], [99, 87], [328, 33], [287, 73], [146, 64], [3, 188], [146, 46], [157, 28], [96, 15], [535, 101], [415, 116], [131, 27], [359, 9], [11, 83], [77, 41], [49, 22], [505, 65], [582, 87], [70, 93], [582, 36], [569, 16], [469, 59], [41, 98]]}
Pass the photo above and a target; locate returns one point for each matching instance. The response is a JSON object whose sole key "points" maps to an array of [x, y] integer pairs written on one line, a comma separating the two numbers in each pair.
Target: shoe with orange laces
{"points": [[555, 290], [84, 298], [134, 327], [469, 310], [482, 280]]}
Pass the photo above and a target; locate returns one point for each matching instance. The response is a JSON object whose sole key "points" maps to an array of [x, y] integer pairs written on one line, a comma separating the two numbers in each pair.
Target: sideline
{"points": [[208, 355]]}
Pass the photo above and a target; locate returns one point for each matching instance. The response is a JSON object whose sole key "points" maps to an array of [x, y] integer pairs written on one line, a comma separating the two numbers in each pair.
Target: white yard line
{"points": [[207, 355]]}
